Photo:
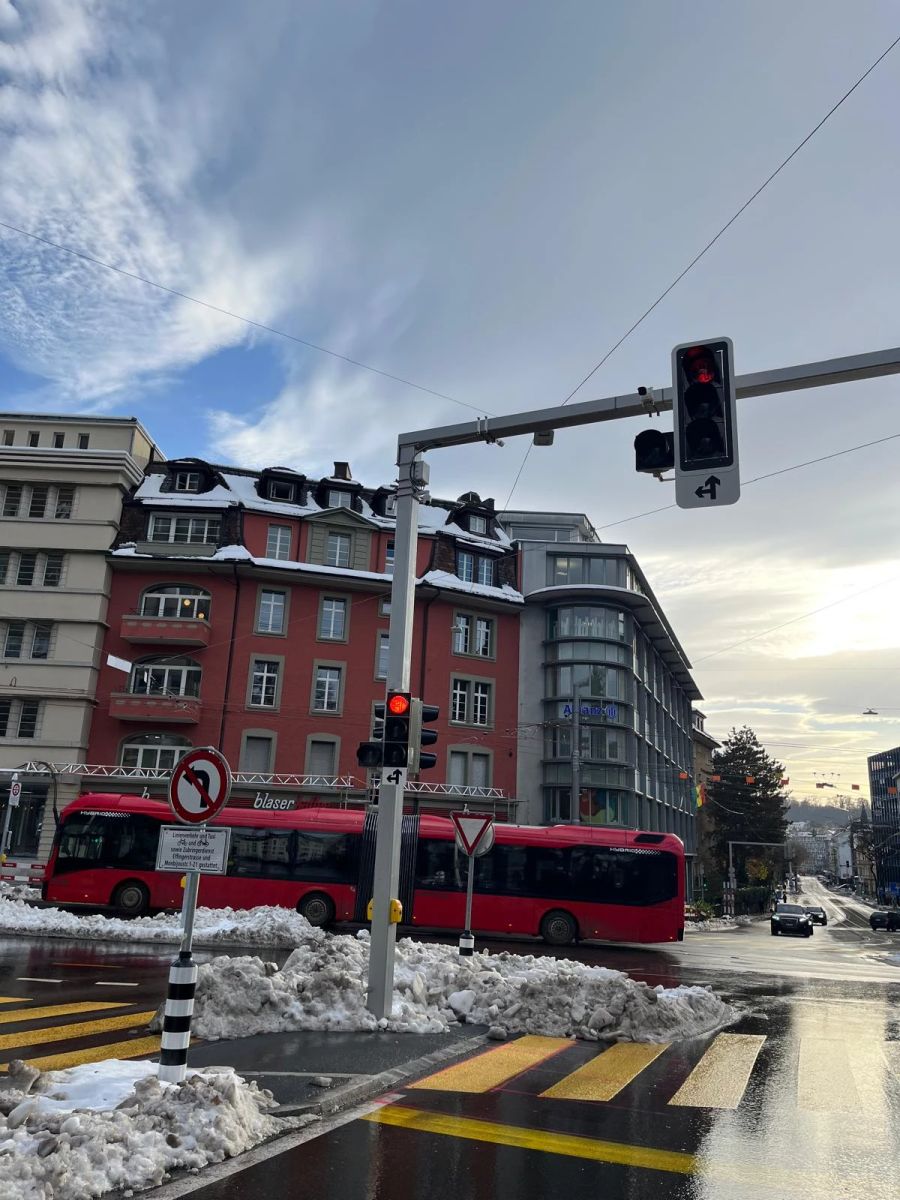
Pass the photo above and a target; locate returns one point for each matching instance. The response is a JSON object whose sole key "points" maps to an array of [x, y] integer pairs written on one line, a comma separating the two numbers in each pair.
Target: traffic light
{"points": [[422, 714], [654, 451], [705, 442], [397, 722], [371, 754]]}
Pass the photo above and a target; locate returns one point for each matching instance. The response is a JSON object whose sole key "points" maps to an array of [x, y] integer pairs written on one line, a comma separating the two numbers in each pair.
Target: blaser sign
{"points": [[610, 711]]}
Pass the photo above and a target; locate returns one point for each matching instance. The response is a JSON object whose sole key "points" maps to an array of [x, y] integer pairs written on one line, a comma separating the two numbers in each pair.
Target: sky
{"points": [[481, 199]]}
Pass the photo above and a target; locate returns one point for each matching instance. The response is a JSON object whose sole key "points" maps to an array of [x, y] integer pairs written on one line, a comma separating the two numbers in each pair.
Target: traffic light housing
{"points": [[654, 451], [422, 714], [371, 754], [705, 439], [397, 722]]}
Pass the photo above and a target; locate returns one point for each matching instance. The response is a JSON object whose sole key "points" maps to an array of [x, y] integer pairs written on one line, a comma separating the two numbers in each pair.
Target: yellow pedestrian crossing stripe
{"points": [[722, 1074], [80, 1029], [15, 1000], [9, 1017], [604, 1076], [490, 1070], [136, 1048]]}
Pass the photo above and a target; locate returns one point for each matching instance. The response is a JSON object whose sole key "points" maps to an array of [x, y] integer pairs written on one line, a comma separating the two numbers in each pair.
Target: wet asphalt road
{"points": [[800, 1100]]}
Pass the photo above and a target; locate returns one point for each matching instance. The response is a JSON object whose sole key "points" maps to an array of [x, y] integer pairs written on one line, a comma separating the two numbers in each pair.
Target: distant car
{"points": [[819, 916], [791, 918], [885, 920]]}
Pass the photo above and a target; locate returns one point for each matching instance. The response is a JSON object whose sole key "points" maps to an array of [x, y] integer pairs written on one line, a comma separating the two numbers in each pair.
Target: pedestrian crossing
{"points": [[708, 1074], [100, 1032]]}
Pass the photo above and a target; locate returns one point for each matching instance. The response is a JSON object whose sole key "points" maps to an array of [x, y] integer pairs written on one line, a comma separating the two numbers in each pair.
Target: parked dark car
{"points": [[791, 918], [885, 920], [819, 916]]}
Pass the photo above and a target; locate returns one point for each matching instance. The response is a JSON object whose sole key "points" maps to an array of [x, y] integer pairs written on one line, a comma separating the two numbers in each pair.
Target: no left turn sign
{"points": [[200, 785]]}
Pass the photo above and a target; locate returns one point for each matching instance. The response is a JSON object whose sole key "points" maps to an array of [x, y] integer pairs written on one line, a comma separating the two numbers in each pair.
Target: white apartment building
{"points": [[62, 481]]}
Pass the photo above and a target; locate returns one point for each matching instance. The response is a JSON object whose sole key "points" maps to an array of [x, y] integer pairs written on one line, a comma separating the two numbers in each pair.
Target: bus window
{"points": [[260, 853], [326, 857], [107, 840], [550, 870], [503, 871], [438, 866]]}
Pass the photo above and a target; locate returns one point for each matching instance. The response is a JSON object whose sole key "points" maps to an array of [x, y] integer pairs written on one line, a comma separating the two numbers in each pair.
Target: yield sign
{"points": [[199, 786], [474, 831]]}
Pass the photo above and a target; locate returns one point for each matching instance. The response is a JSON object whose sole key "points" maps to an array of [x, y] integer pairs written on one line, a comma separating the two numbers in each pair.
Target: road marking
{"points": [[114, 983], [604, 1076], [136, 1048], [15, 999], [824, 1077], [55, 1010], [62, 1033], [721, 1076], [495, 1067], [566, 1144], [36, 979]]}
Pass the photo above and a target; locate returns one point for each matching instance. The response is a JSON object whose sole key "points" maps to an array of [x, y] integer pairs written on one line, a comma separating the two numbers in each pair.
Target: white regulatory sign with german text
{"points": [[193, 848]]}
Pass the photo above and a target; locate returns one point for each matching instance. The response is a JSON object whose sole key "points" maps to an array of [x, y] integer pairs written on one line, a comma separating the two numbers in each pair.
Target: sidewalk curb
{"points": [[365, 1087]]}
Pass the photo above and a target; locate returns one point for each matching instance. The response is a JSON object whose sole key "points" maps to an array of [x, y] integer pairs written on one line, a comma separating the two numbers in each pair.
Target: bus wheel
{"points": [[131, 899], [317, 908], [559, 928]]}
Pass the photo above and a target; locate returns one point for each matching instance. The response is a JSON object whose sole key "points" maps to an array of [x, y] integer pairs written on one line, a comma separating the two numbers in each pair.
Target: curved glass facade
{"points": [[634, 716]]}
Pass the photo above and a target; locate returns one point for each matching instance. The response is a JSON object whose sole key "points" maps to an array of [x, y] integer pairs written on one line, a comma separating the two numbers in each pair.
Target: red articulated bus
{"points": [[561, 882]]}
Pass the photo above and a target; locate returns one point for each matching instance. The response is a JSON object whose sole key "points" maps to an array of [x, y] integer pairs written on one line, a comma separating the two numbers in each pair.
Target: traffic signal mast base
{"points": [[412, 478]]}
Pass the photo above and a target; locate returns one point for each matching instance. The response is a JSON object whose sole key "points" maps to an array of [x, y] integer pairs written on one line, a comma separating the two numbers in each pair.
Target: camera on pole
{"points": [[703, 401]]}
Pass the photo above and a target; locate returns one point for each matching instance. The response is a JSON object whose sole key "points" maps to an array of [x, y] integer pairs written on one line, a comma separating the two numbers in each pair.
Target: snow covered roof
{"points": [[443, 579]]}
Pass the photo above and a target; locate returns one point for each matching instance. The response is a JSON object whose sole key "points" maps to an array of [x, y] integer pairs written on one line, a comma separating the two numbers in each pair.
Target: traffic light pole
{"points": [[410, 447]]}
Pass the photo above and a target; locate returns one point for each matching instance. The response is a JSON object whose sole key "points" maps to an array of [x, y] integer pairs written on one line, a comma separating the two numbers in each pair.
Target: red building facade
{"points": [[251, 610]]}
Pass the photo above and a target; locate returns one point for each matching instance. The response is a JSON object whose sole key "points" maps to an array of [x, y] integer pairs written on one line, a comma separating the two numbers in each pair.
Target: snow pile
{"points": [[322, 985], [99, 1127], [263, 926], [13, 890], [711, 923]]}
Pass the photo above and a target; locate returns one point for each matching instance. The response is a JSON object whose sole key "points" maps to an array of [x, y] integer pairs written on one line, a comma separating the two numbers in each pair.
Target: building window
{"points": [[153, 751], [176, 600], [468, 768], [321, 758], [19, 718], [84, 440], [337, 550], [192, 531], [257, 753], [25, 567], [41, 635], [65, 503], [333, 619], [38, 501], [327, 691], [470, 702], [280, 489], [9, 437], [473, 635], [59, 440], [14, 640], [166, 677], [589, 621], [475, 568], [12, 498], [384, 606], [34, 437], [271, 612], [389, 558], [381, 660], [187, 481], [339, 499], [477, 524], [278, 542], [264, 683], [37, 505]]}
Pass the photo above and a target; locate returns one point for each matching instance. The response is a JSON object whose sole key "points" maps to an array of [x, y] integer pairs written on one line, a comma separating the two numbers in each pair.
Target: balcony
{"points": [[174, 710], [164, 631]]}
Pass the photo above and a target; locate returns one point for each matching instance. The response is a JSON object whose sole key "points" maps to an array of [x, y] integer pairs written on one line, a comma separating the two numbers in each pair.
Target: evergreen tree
{"points": [[746, 811]]}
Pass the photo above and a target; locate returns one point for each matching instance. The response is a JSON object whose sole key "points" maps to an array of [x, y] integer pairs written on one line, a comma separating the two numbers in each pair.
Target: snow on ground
{"points": [[716, 924], [99, 1127], [13, 890], [322, 985], [263, 926]]}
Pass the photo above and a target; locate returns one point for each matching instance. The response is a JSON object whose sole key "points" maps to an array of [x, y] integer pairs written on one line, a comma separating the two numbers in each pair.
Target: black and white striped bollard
{"points": [[466, 944], [176, 1030]]}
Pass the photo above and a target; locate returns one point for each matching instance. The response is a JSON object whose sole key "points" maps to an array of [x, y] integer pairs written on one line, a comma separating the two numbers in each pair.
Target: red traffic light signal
{"points": [[398, 704]]}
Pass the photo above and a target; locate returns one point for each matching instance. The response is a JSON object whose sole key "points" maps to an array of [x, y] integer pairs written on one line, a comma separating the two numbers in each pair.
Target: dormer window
{"points": [[281, 490], [390, 505], [187, 481], [477, 524], [339, 499]]}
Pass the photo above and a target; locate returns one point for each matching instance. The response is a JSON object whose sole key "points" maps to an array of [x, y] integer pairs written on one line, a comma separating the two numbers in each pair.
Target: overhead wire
{"points": [[709, 245]]}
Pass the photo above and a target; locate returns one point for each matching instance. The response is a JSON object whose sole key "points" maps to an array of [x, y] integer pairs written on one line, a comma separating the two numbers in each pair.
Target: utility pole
{"points": [[412, 477]]}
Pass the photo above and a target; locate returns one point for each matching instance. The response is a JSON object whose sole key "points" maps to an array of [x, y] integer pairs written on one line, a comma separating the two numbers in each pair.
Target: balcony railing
{"points": [[169, 631], [180, 710]]}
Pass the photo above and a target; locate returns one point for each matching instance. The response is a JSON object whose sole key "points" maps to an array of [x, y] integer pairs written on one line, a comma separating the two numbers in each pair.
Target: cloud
{"points": [[97, 157]]}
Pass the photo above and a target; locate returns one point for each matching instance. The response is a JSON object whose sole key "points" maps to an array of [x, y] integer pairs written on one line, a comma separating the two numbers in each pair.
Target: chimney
{"points": [[342, 471]]}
